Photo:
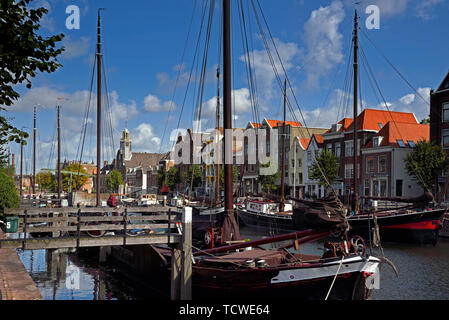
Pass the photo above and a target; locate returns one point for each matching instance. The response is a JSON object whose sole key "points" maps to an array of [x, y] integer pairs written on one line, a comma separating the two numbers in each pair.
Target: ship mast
{"points": [[217, 178], [58, 163], [33, 180], [99, 55], [230, 228], [282, 202], [355, 160]]}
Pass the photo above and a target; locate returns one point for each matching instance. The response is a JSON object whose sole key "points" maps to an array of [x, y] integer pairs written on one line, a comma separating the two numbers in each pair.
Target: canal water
{"points": [[66, 275]]}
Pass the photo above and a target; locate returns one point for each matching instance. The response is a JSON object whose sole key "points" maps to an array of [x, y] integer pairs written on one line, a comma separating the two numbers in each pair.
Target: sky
{"points": [[153, 76]]}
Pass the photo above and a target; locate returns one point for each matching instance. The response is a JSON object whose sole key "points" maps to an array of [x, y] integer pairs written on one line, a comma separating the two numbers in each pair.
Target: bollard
{"points": [[181, 261]]}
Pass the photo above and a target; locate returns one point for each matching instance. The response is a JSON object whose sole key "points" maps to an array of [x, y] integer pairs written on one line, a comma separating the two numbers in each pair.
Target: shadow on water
{"points": [[77, 275]]}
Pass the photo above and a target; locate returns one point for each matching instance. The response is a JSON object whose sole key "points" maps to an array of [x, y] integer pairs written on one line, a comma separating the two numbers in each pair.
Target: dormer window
{"points": [[411, 143], [401, 143], [380, 125], [375, 142]]}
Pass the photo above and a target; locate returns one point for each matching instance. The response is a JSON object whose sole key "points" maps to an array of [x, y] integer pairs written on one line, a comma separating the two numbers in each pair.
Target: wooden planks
{"points": [[86, 241]]}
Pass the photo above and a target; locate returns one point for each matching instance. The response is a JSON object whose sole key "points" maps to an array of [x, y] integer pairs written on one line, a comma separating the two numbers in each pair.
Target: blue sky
{"points": [[143, 43]]}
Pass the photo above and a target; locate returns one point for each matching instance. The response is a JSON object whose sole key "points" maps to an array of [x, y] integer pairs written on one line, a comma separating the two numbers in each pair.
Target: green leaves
{"points": [[172, 177], [426, 162], [10, 198], [22, 50], [114, 180], [325, 168]]}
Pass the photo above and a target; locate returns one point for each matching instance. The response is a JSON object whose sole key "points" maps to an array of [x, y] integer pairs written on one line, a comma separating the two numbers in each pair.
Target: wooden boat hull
{"points": [[252, 219], [304, 282], [417, 227]]}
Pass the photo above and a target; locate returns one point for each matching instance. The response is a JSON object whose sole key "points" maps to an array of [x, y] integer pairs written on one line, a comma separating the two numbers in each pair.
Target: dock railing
{"points": [[49, 228]]}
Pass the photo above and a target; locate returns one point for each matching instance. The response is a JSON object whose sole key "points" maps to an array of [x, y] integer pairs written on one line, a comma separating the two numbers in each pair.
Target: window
{"points": [[329, 147], [411, 143], [380, 125], [445, 138], [337, 150], [300, 178], [349, 148], [309, 156], [399, 188], [293, 163], [369, 164], [268, 146], [375, 188], [367, 189], [382, 164], [349, 171], [400, 143], [383, 188], [375, 142], [445, 111], [299, 162]]}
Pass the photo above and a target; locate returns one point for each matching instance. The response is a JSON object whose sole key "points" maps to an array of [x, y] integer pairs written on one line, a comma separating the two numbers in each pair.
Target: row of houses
{"points": [[384, 139]]}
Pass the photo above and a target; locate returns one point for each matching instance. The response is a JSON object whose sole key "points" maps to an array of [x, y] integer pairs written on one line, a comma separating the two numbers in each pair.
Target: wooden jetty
{"points": [[105, 227]]}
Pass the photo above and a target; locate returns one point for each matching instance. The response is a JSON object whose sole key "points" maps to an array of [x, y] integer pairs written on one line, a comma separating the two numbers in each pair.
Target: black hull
{"points": [[418, 227], [421, 227], [251, 219], [215, 285]]}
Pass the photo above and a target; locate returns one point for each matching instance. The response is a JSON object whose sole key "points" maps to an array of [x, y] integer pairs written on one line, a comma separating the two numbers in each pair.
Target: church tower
{"points": [[125, 145]]}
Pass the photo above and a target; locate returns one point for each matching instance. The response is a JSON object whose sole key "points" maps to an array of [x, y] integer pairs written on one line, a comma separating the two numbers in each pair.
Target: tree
{"points": [[172, 177], [426, 162], [268, 182], [113, 180], [197, 176], [46, 180], [160, 178], [325, 169], [235, 175], [10, 198], [23, 53], [77, 180]]}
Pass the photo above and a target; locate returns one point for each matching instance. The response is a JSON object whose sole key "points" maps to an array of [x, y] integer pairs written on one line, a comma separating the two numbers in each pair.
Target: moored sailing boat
{"points": [[417, 221], [246, 268]]}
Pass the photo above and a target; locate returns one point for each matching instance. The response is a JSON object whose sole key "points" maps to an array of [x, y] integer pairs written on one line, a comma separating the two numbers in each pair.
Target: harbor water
{"points": [[70, 275]]}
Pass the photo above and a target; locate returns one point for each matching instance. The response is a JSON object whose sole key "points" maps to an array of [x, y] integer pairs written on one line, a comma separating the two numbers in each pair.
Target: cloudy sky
{"points": [[153, 76]]}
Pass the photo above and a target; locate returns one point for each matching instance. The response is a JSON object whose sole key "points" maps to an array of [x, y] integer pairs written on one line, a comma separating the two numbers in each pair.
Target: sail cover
{"points": [[322, 215]]}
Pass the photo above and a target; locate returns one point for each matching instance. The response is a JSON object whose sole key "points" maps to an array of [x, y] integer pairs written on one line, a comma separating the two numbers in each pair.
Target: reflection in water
{"points": [[422, 273]]}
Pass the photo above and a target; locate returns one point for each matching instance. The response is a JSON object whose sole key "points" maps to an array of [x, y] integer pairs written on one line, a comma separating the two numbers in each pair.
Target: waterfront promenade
{"points": [[15, 282]]}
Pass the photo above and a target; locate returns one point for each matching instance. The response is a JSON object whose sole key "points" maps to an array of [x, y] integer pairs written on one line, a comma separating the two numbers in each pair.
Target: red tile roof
{"points": [[279, 123], [394, 131], [370, 119], [304, 142], [255, 125]]}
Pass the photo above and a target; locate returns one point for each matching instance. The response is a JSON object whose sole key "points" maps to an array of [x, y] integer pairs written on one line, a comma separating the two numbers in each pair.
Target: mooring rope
{"points": [[335, 277]]}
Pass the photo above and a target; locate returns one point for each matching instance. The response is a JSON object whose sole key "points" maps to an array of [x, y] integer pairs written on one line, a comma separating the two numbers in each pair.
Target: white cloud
{"points": [[264, 73], [323, 42], [151, 103], [144, 139], [415, 103], [75, 48], [423, 9]]}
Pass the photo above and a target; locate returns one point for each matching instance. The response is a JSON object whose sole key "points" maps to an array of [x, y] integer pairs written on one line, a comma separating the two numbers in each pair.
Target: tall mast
{"points": [[33, 181], [217, 178], [356, 46], [21, 168], [281, 205], [230, 228], [98, 108], [58, 163]]}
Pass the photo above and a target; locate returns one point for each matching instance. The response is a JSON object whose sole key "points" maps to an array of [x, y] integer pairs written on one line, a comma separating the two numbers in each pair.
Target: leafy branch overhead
{"points": [[23, 52]]}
